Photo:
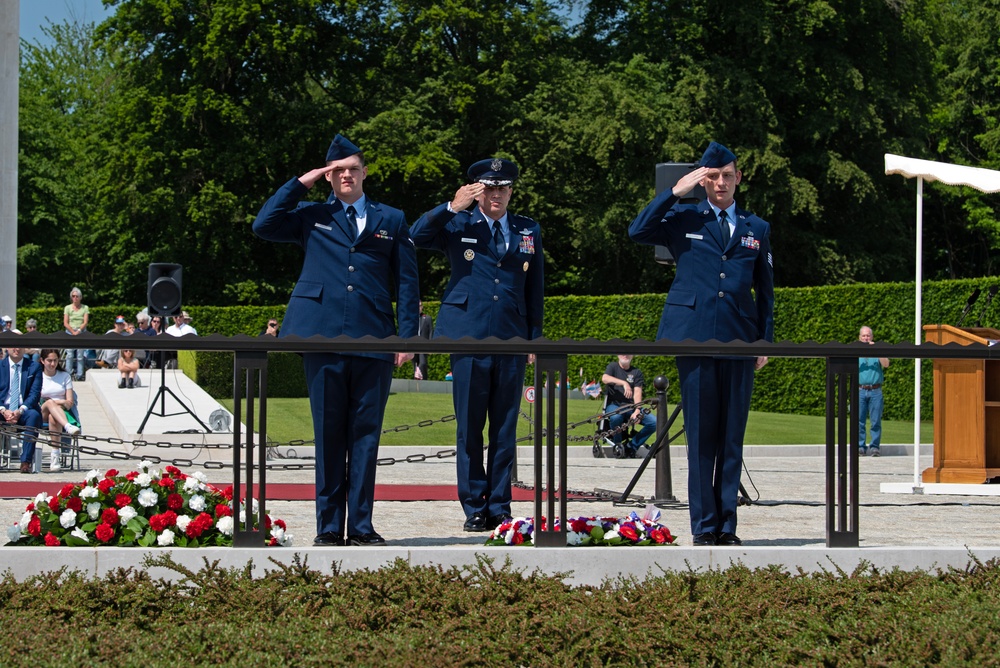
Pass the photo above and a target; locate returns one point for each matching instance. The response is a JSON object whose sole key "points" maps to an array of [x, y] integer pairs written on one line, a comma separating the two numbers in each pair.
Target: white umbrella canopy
{"points": [[984, 180]]}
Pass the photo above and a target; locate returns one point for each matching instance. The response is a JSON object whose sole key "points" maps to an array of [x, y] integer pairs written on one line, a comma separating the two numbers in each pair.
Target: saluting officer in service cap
{"points": [[495, 289], [723, 289], [357, 253]]}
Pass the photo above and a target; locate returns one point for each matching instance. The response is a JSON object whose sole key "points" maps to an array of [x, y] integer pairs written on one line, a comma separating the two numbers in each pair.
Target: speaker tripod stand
{"points": [[161, 396]]}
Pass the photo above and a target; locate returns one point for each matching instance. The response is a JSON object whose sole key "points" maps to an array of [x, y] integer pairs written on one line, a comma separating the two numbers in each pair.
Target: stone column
{"points": [[9, 70]]}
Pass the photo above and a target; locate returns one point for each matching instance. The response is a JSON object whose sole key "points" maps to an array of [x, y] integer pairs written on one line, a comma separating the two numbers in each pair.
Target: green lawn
{"points": [[290, 420]]}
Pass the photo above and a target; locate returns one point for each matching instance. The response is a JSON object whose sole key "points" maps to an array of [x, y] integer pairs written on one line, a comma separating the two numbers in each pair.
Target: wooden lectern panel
{"points": [[966, 410]]}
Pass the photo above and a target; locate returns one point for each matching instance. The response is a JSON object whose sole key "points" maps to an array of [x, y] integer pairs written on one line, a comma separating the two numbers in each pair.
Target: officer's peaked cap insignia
{"points": [[494, 172], [341, 147], [716, 156]]}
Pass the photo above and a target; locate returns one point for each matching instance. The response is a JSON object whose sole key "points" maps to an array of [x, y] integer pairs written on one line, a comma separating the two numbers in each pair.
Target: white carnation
{"points": [[14, 533], [182, 522], [126, 514], [200, 476], [192, 484], [89, 493], [277, 533], [67, 519], [197, 503], [92, 475], [143, 480], [145, 465], [79, 533], [42, 498], [148, 498], [166, 538], [287, 540], [225, 525], [93, 510], [25, 518]]}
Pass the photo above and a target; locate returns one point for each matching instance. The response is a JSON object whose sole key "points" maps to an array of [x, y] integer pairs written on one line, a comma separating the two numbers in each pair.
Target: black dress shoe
{"points": [[493, 521], [728, 539], [366, 539], [476, 522], [704, 539], [328, 539]]}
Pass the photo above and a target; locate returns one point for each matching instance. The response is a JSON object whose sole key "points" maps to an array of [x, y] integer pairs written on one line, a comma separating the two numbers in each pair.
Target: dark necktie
{"points": [[15, 388], [352, 218], [499, 246], [724, 227]]}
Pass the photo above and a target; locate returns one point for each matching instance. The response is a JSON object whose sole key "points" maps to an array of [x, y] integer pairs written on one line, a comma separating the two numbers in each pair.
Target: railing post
{"points": [[841, 452], [664, 485], [249, 533], [557, 390]]}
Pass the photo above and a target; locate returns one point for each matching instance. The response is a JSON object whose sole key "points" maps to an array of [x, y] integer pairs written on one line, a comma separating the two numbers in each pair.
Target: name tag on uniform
{"points": [[467, 240], [322, 226], [750, 242], [694, 236], [527, 244]]}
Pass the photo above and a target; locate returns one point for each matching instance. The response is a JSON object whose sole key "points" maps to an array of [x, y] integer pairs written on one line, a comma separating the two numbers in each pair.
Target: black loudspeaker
{"points": [[163, 292], [667, 175]]}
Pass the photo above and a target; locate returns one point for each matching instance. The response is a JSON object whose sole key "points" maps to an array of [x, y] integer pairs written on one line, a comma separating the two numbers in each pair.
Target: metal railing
{"points": [[250, 365]]}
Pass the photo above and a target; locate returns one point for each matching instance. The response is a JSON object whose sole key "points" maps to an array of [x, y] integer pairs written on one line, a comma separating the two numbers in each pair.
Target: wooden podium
{"points": [[966, 410]]}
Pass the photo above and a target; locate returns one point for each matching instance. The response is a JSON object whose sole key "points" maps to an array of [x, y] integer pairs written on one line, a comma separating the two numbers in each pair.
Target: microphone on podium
{"points": [[994, 289], [968, 305]]}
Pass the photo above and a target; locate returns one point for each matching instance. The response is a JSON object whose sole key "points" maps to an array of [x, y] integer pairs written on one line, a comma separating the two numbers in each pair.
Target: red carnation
{"points": [[628, 531], [31, 506], [175, 501], [166, 483], [171, 517], [518, 538], [51, 540], [66, 490], [111, 473], [106, 485], [281, 523], [579, 525], [104, 531], [222, 510], [227, 493], [131, 475], [109, 516], [199, 525], [267, 522], [273, 541], [35, 526], [123, 500], [158, 522], [75, 504]]}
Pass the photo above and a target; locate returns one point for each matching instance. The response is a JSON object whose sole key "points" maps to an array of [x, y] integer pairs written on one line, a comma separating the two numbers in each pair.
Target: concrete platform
{"points": [[786, 526]]}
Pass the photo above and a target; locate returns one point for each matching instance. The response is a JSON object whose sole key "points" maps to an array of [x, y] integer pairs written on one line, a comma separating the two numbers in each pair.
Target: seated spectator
{"points": [[182, 325], [19, 400], [128, 366], [623, 385], [145, 328], [31, 327], [155, 360], [271, 329], [76, 316], [108, 358], [6, 323], [57, 402]]}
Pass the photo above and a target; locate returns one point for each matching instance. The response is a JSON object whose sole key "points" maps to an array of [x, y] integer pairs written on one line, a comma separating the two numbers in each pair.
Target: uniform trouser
{"points": [[486, 386], [870, 404], [347, 396], [715, 394]]}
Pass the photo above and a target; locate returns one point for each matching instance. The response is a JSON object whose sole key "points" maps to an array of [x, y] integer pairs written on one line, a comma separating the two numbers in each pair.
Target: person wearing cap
{"points": [[495, 289], [19, 401], [108, 358], [357, 252], [723, 289], [6, 322]]}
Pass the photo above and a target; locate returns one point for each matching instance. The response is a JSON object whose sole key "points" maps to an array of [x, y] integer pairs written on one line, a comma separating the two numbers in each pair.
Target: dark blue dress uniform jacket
{"points": [[710, 297], [345, 286], [486, 296]]}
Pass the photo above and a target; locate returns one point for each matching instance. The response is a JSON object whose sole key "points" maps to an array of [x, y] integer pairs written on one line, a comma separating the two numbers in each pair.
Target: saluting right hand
{"points": [[310, 178], [466, 195], [687, 182]]}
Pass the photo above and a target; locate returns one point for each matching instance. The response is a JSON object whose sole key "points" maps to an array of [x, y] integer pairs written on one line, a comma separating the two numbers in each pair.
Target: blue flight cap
{"points": [[493, 172], [340, 148], [716, 156]]}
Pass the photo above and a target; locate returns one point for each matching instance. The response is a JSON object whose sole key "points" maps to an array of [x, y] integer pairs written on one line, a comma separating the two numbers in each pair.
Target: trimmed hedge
{"points": [[823, 314]]}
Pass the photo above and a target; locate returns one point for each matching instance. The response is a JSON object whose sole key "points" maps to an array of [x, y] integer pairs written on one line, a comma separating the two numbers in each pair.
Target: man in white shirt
{"points": [[181, 325]]}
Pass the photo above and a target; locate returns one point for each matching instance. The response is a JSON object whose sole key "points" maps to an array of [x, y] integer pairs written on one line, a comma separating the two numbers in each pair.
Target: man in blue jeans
{"points": [[623, 385], [871, 374]]}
